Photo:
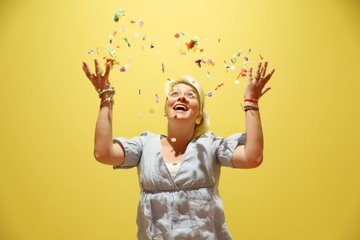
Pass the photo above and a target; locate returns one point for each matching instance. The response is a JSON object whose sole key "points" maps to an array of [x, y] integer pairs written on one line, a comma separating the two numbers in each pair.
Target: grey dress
{"points": [[187, 206]]}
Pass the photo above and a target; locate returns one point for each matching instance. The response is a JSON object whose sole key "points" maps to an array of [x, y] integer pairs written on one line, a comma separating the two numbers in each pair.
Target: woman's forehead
{"points": [[183, 87]]}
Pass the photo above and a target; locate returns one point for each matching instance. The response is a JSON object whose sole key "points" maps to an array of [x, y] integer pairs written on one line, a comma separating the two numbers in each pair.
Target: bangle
{"points": [[247, 107], [105, 90], [251, 100], [109, 99]]}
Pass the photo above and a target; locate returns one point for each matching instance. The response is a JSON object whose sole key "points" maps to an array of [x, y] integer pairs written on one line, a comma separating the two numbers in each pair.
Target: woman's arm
{"points": [[250, 155], [105, 151]]}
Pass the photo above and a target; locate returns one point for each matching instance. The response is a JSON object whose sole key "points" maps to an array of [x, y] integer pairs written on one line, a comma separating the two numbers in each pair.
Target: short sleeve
{"points": [[226, 148], [133, 150]]}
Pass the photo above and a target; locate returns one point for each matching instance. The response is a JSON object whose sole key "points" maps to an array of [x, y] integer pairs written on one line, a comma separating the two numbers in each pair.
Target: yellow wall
{"points": [[307, 188]]}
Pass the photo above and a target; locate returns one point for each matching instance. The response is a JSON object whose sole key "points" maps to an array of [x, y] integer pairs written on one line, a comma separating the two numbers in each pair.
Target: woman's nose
{"points": [[182, 98]]}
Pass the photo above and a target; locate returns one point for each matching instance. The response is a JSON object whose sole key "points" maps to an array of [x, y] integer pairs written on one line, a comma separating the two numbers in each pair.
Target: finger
{"points": [[87, 70], [97, 68], [264, 90], [250, 74], [107, 71], [258, 70], [263, 69], [269, 75]]}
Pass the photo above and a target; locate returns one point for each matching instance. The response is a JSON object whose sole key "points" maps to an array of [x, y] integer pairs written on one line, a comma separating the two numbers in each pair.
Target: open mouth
{"points": [[180, 107]]}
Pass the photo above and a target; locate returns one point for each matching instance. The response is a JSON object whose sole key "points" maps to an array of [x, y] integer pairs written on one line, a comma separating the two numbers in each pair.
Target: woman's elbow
{"points": [[101, 156], [257, 161], [254, 161]]}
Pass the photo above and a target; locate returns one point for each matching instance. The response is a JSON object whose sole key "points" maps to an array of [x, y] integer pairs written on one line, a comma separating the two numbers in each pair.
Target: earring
{"points": [[198, 121]]}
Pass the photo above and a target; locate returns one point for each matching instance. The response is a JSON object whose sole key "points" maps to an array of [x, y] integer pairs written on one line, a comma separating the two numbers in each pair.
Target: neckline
{"points": [[173, 150], [179, 164]]}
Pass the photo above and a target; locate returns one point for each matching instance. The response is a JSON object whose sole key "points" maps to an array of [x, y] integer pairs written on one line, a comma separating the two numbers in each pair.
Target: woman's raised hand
{"points": [[98, 80], [256, 85]]}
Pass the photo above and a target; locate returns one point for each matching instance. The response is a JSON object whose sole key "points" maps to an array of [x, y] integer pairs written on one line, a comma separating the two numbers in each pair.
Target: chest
{"points": [[169, 155]]}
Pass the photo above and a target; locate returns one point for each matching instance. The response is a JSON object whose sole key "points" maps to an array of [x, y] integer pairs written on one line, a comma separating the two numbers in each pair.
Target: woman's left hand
{"points": [[256, 85]]}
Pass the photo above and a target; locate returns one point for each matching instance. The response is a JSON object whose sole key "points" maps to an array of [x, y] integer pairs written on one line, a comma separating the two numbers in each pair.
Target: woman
{"points": [[179, 172]]}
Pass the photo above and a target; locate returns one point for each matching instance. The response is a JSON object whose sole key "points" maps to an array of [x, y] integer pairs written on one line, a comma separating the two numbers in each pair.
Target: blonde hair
{"points": [[203, 126]]}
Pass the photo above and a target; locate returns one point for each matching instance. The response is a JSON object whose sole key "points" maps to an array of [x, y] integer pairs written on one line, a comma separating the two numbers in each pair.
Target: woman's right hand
{"points": [[98, 80]]}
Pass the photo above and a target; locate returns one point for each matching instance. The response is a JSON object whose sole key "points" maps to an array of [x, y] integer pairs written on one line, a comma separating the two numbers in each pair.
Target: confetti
{"points": [[198, 62], [192, 44], [126, 41], [124, 68], [120, 13], [138, 22], [218, 86], [210, 62], [112, 52], [114, 49], [111, 62]]}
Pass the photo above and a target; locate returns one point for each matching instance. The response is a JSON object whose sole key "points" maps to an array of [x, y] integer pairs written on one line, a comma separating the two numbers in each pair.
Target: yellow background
{"points": [[308, 187]]}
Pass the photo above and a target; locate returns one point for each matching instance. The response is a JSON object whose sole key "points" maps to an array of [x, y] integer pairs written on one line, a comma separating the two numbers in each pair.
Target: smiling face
{"points": [[182, 103]]}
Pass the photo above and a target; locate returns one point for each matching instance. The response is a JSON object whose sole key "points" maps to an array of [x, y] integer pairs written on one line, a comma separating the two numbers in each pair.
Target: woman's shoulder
{"points": [[149, 134], [210, 135], [215, 137]]}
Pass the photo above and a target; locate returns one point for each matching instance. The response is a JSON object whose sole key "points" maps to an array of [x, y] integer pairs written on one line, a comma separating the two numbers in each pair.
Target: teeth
{"points": [[180, 107]]}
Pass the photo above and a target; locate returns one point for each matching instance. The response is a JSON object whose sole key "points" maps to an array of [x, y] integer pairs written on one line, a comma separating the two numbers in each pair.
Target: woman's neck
{"points": [[179, 135]]}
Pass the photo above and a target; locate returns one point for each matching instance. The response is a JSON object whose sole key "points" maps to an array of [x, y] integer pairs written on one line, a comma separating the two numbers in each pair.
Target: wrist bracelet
{"points": [[247, 107], [109, 99], [105, 90], [251, 100]]}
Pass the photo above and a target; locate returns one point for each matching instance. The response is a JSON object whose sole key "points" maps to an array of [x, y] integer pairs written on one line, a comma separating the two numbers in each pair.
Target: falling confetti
{"points": [[115, 49], [126, 41], [219, 86], [192, 44], [198, 62], [124, 68], [138, 21], [120, 13]]}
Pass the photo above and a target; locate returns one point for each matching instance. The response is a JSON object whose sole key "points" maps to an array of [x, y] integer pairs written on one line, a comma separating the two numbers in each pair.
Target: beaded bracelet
{"points": [[105, 90], [247, 107]]}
